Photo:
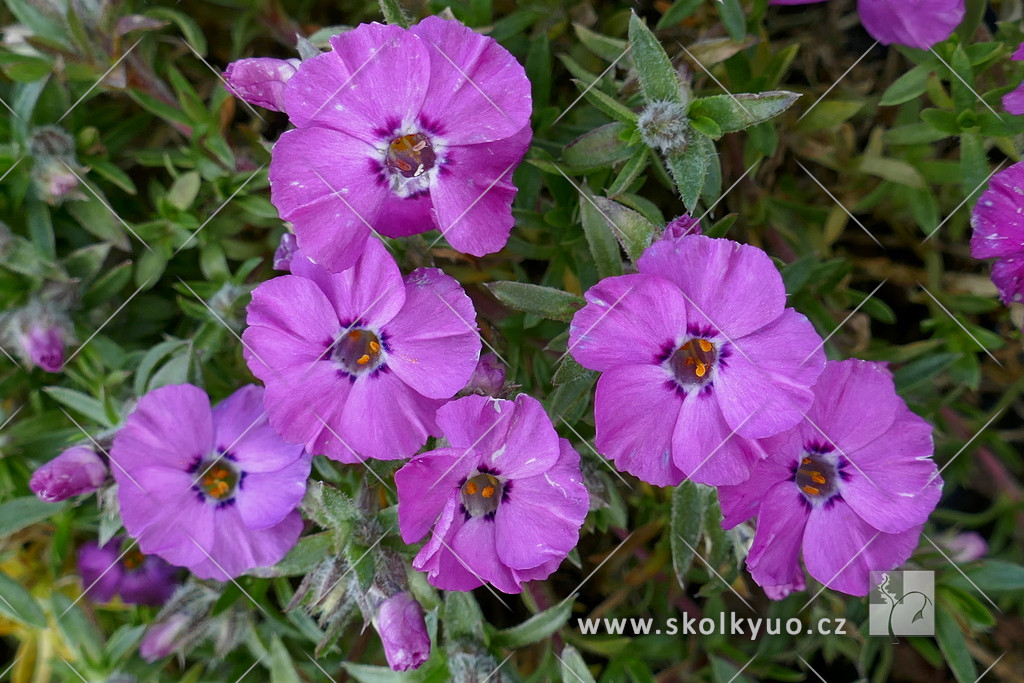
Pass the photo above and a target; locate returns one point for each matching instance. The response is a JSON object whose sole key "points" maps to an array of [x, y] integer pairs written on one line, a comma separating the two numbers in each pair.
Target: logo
{"points": [[901, 604]]}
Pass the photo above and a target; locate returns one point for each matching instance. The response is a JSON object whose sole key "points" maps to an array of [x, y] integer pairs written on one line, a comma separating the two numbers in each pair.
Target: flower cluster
{"points": [[713, 379]]}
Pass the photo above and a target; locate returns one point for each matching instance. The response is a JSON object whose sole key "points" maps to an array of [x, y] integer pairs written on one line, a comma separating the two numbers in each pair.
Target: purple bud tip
{"points": [[261, 80], [488, 377], [76, 471], [285, 252], [162, 638], [45, 347], [682, 226], [403, 632]]}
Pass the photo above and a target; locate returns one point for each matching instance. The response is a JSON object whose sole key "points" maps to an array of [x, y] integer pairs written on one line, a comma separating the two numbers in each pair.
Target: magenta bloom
{"points": [[400, 131], [681, 227], [998, 222], [44, 346], [1013, 101], [357, 363], [139, 579], [261, 81], [403, 632], [76, 471], [851, 486], [211, 490], [914, 23], [700, 356], [505, 499]]}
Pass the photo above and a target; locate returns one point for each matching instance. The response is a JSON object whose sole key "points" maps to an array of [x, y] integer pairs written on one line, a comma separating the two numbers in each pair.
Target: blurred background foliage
{"points": [[862, 192]]}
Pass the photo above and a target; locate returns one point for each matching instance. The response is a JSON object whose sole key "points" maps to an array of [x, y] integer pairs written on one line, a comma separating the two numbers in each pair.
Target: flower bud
{"points": [[162, 637], [403, 632], [76, 471], [966, 546], [55, 166], [285, 251], [44, 346], [682, 226], [488, 377], [260, 80]]}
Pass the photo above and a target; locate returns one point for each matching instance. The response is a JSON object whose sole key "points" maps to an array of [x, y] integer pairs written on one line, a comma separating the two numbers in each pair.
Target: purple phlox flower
{"points": [[76, 471], [1013, 101], [998, 222], [505, 498], [403, 632], [699, 357], [43, 346], [914, 23], [285, 252], [214, 490], [261, 80], [400, 131], [356, 363], [488, 377], [850, 486], [139, 579], [681, 227]]}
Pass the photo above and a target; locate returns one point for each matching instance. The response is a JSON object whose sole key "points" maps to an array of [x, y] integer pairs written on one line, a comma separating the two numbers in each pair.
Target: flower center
{"points": [[411, 155], [133, 559], [219, 480], [357, 351], [481, 495], [692, 362], [817, 476]]}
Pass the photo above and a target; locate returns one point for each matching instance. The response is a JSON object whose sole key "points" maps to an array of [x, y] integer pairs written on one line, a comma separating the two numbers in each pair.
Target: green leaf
{"points": [[19, 604], [706, 125], [394, 13], [954, 646], [184, 190], [82, 404], [329, 507], [534, 629], [604, 247], [607, 48], [689, 504], [99, 221], [80, 633], [909, 86], [573, 668], [282, 668], [658, 81], [632, 230], [690, 168], [736, 112], [546, 302], [462, 616], [606, 103], [19, 513], [680, 9], [732, 17], [599, 148], [895, 170], [570, 371], [630, 172], [994, 576], [828, 115]]}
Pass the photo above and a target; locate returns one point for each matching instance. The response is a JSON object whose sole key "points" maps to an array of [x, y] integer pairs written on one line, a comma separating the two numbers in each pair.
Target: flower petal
{"points": [[474, 545], [542, 517], [478, 91], [474, 191], [774, 558], [1008, 276], [443, 569], [385, 418], [171, 426], [855, 403], [433, 345], [731, 287], [301, 400], [265, 498], [425, 484], [635, 409], [997, 219], [915, 23], [765, 384], [372, 81], [475, 422], [841, 549], [403, 216], [742, 501], [531, 446], [260, 81], [236, 549], [628, 320], [705, 448]]}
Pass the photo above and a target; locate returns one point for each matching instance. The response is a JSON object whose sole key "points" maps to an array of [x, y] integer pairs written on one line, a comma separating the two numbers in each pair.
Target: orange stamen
{"points": [[363, 360], [470, 488], [811, 490], [817, 478], [375, 347], [487, 492], [705, 345], [805, 461], [701, 369]]}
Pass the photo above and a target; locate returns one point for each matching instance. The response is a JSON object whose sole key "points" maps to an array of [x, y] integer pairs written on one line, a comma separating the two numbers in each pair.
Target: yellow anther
{"points": [[364, 359], [355, 335], [805, 461], [487, 492], [375, 347], [817, 478], [811, 490], [701, 369], [705, 345], [470, 488]]}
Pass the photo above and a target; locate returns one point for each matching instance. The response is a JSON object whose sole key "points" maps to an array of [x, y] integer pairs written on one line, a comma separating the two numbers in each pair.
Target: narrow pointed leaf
{"points": [[736, 112], [690, 168], [658, 80]]}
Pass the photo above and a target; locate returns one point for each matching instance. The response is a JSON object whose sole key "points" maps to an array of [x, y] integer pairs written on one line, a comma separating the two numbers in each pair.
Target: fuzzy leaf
{"points": [[690, 168], [632, 230], [689, 502], [657, 78], [604, 246], [534, 629], [599, 148], [733, 113], [546, 302]]}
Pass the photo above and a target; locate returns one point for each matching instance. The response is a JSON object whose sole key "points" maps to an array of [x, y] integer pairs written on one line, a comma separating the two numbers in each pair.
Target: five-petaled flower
{"points": [[998, 222], [356, 363], [505, 498], [851, 486], [139, 579], [213, 490], [399, 131], [700, 357]]}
